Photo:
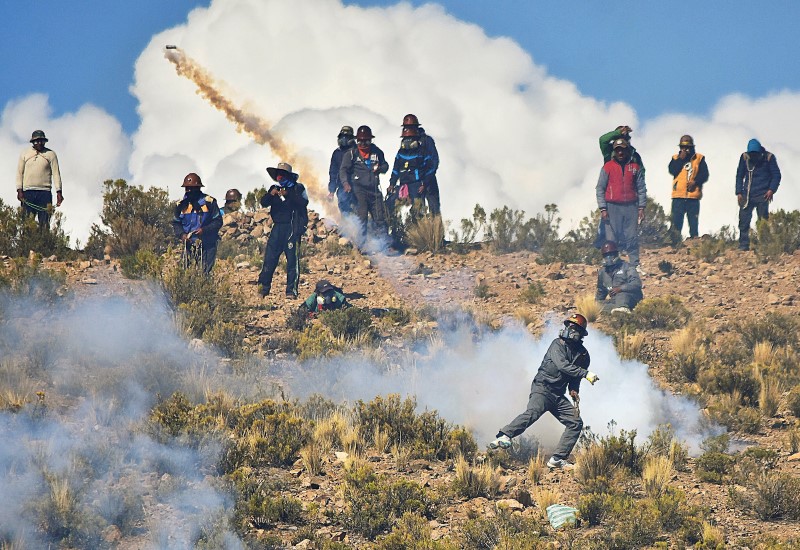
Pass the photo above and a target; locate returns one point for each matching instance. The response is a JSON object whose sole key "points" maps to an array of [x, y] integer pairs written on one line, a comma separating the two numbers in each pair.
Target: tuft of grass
{"points": [[593, 462], [536, 468], [482, 291], [656, 475], [482, 480], [311, 456], [427, 234], [629, 346], [769, 397], [713, 536], [763, 353], [586, 305], [534, 293], [688, 354], [329, 432], [793, 440], [545, 497], [380, 439]]}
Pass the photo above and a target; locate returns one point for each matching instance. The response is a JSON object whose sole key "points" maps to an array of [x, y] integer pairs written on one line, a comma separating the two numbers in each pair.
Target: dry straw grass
{"points": [[713, 536], [793, 440], [656, 475], [311, 456], [593, 462], [427, 234], [536, 468], [380, 439], [482, 480], [401, 454], [525, 315], [352, 442], [769, 396], [587, 306], [763, 353], [629, 346], [330, 432], [544, 498]]}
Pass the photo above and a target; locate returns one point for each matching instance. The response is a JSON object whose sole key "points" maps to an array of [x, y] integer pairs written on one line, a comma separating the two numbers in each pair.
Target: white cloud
{"points": [[90, 145]]}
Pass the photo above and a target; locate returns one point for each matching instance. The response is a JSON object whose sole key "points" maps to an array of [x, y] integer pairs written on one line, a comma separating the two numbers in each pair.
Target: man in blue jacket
{"points": [[196, 222], [287, 201], [564, 365], [757, 181], [346, 198]]}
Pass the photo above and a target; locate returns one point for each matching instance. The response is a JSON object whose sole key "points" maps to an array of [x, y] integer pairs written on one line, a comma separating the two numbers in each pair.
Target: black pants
{"points": [[282, 240], [199, 252], [347, 201], [370, 203], [39, 204], [691, 209], [432, 196], [745, 216]]}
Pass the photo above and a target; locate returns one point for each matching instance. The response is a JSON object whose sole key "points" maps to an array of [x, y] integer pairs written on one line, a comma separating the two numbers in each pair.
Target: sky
{"points": [[515, 95]]}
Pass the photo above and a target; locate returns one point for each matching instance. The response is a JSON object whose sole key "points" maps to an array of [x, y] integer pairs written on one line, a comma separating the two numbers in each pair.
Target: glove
{"points": [[592, 377]]}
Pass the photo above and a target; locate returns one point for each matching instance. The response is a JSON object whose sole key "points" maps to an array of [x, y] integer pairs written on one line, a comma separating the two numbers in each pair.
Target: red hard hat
{"points": [[364, 132], [192, 180], [608, 248], [578, 320], [410, 120]]}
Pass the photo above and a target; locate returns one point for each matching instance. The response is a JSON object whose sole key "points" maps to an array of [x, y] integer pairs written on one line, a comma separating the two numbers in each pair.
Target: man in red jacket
{"points": [[621, 197]]}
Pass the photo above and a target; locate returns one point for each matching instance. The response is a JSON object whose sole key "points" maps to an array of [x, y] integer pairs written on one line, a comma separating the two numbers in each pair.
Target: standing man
{"points": [[621, 197], [412, 169], [360, 173], [618, 281], [37, 173], [689, 173], [428, 149], [287, 201], [564, 365], [346, 199], [197, 222], [757, 181]]}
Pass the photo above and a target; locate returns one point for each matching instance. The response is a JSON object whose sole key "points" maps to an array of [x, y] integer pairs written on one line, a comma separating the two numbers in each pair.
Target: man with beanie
{"points": [[689, 172], [197, 222], [757, 181], [287, 201], [345, 196], [564, 365], [37, 173]]}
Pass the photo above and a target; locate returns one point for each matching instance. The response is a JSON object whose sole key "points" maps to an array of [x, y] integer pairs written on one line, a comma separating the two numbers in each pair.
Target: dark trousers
{"points": [[622, 299], [282, 240], [542, 400], [199, 252], [745, 216], [691, 209], [370, 203], [432, 197], [623, 228], [347, 201], [39, 204]]}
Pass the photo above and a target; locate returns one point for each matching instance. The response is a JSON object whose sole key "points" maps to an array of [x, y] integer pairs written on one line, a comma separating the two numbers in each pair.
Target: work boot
{"points": [[263, 291], [502, 442], [621, 309], [559, 463], [291, 295]]}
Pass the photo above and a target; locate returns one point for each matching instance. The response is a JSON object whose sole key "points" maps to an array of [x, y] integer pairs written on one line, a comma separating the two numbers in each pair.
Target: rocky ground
{"points": [[735, 285]]}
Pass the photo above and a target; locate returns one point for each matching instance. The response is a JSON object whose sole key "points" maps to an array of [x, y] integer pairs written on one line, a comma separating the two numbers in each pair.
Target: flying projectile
{"points": [[172, 47]]}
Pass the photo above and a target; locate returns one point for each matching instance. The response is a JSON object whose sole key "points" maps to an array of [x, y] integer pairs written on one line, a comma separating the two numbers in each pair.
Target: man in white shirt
{"points": [[37, 173]]}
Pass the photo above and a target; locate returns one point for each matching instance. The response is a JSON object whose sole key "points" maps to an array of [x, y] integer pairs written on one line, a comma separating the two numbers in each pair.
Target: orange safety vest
{"points": [[681, 182]]}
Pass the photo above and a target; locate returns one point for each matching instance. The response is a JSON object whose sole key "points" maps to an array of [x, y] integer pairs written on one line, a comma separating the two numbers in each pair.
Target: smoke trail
{"points": [[246, 122]]}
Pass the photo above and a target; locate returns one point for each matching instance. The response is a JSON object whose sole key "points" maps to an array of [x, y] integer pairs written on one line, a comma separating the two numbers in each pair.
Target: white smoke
{"points": [[507, 132]]}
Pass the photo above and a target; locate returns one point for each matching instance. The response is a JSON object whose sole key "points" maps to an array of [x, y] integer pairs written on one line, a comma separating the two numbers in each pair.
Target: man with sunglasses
{"points": [[689, 172], [37, 173]]}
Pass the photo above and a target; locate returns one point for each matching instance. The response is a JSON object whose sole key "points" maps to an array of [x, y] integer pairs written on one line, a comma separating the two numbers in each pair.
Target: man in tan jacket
{"points": [[37, 173]]}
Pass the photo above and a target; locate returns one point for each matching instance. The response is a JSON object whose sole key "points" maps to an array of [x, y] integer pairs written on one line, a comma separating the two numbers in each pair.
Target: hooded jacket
{"points": [[622, 275], [359, 171], [757, 175], [564, 365]]}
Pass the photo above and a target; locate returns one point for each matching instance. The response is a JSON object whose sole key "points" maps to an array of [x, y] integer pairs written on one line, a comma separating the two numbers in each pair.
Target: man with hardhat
{"points": [[287, 201], [618, 281], [621, 197], [564, 366], [360, 173], [428, 149], [757, 181], [37, 174], [233, 201], [346, 198], [197, 222], [689, 172]]}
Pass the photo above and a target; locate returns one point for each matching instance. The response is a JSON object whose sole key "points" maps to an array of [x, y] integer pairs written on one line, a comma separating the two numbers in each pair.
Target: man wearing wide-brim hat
{"points": [[37, 173], [287, 201]]}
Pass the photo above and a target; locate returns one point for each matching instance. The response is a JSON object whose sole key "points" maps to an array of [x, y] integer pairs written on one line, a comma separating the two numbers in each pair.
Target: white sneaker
{"points": [[620, 310], [640, 271], [559, 463], [502, 442]]}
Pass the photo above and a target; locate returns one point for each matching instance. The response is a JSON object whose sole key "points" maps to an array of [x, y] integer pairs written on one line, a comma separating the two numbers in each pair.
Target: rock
{"points": [[257, 231], [773, 299], [260, 216], [305, 543], [411, 252], [343, 241], [794, 458], [509, 503], [89, 281], [341, 456]]}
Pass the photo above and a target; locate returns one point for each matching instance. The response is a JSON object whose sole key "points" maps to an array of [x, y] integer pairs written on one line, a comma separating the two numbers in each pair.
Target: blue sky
{"points": [[653, 55], [94, 77]]}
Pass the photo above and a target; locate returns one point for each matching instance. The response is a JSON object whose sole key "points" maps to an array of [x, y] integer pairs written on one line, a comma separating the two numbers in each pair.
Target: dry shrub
{"points": [[688, 354], [656, 475], [769, 398], [593, 462], [525, 315], [587, 306], [629, 346], [662, 442], [401, 455], [764, 353], [311, 456], [380, 439], [482, 480], [329, 432], [713, 537]]}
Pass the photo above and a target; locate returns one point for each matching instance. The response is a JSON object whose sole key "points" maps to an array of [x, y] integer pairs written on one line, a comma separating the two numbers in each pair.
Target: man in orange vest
{"points": [[689, 173]]}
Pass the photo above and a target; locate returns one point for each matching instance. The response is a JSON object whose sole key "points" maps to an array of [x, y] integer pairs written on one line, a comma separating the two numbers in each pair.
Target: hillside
{"points": [[321, 497]]}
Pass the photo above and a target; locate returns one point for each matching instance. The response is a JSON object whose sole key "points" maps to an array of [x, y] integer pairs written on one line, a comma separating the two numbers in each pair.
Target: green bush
{"points": [[470, 229], [252, 201], [136, 219], [709, 249], [374, 504], [726, 380], [780, 234], [534, 293], [713, 466], [143, 264], [660, 312], [506, 530], [316, 342], [349, 323], [411, 531], [654, 229], [779, 329], [20, 233]]}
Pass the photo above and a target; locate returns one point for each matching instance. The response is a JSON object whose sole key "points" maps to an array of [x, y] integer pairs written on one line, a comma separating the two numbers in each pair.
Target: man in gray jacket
{"points": [[618, 281], [564, 365]]}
